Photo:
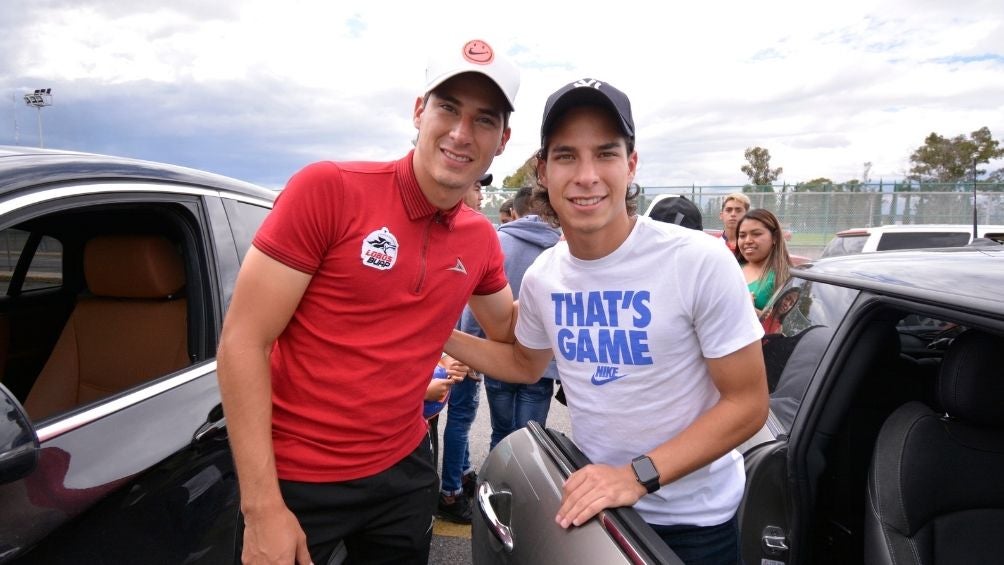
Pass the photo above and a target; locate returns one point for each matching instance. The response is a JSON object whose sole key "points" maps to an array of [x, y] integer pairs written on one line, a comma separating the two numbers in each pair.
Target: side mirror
{"points": [[18, 441]]}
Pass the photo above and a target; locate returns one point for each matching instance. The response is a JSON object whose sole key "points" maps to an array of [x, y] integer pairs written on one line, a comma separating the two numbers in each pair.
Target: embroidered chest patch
{"points": [[379, 249]]}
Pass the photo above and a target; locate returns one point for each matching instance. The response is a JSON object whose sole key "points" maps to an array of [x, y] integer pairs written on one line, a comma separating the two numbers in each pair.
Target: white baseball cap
{"points": [[474, 56]]}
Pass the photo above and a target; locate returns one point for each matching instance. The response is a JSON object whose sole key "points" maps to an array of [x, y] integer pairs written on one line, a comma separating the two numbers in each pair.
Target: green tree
{"points": [[952, 160], [524, 175], [821, 184], [853, 185], [758, 169]]}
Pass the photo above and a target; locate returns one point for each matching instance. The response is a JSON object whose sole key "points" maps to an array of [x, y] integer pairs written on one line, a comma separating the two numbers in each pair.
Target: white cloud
{"points": [[823, 87]]}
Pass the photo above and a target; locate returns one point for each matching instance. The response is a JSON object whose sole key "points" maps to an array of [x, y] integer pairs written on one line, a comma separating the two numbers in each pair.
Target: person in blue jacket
{"points": [[513, 405]]}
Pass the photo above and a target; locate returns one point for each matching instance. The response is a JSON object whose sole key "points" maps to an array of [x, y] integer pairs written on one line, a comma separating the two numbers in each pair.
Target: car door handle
{"points": [[210, 429], [502, 531], [215, 422]]}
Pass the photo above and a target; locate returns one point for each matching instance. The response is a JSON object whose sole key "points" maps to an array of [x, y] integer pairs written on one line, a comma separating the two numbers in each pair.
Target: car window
{"points": [[844, 245], [45, 269], [133, 307], [921, 240], [798, 326], [244, 222], [12, 243]]}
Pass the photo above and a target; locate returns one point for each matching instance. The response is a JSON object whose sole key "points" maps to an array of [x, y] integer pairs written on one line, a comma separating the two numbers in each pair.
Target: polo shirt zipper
{"points": [[435, 219]]}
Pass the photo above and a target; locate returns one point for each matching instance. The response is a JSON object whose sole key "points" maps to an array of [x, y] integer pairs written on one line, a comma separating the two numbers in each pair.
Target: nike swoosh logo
{"points": [[604, 380]]}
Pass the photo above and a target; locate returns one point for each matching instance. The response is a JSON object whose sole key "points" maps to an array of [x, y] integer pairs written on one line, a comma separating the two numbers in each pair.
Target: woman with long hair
{"points": [[762, 252]]}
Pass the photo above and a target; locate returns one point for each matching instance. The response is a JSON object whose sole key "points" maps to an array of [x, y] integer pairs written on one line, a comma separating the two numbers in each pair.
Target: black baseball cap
{"points": [[485, 180], [587, 91], [678, 210]]}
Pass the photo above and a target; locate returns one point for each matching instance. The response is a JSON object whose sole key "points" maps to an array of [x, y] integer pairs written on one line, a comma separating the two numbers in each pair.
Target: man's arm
{"points": [[265, 296], [508, 362], [496, 314], [741, 411]]}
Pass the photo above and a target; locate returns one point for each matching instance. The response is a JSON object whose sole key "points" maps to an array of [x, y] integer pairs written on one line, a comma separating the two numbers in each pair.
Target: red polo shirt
{"points": [[391, 275]]}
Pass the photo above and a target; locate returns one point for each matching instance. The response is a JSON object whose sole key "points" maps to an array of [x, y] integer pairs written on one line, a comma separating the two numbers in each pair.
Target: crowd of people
{"points": [[372, 287]]}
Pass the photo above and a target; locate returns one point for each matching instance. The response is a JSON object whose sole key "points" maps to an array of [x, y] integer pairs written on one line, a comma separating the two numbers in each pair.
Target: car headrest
{"points": [[133, 266], [971, 383]]}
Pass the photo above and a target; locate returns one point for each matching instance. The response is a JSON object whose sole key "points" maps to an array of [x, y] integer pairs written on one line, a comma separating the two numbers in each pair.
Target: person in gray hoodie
{"points": [[513, 405]]}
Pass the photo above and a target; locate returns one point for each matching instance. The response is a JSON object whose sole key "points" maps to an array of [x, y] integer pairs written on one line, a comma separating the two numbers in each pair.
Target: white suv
{"points": [[915, 236]]}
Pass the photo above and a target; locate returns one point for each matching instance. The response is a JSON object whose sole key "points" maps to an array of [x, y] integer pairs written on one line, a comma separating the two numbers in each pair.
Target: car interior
{"points": [[99, 300], [897, 359], [129, 327], [934, 484]]}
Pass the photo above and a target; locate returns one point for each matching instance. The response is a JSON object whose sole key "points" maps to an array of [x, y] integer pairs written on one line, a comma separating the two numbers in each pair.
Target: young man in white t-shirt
{"points": [[656, 341]]}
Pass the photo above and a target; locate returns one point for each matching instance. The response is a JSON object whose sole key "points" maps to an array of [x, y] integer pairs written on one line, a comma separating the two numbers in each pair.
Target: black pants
{"points": [[704, 545], [385, 518]]}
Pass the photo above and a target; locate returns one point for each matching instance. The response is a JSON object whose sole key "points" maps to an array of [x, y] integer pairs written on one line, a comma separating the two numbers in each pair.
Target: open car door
{"points": [[519, 493]]}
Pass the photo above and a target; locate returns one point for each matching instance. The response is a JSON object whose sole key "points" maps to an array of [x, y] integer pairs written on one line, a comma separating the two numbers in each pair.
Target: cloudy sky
{"points": [[255, 89]]}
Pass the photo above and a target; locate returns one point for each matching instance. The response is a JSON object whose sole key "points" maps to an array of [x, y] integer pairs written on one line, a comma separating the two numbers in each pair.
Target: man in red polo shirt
{"points": [[339, 315]]}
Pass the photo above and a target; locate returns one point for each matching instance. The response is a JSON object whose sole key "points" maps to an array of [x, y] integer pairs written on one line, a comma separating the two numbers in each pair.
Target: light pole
{"points": [[41, 97]]}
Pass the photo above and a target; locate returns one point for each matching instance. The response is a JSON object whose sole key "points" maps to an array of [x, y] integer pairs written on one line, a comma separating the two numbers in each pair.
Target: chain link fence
{"points": [[813, 217]]}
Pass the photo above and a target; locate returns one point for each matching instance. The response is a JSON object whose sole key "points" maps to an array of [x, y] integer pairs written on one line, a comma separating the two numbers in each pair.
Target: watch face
{"points": [[646, 472]]}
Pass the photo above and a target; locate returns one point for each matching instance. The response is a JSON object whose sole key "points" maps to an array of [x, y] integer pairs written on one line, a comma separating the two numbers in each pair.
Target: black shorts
{"points": [[384, 518]]}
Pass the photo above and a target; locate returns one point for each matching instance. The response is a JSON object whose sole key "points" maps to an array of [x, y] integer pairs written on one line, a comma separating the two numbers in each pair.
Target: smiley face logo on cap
{"points": [[478, 52]]}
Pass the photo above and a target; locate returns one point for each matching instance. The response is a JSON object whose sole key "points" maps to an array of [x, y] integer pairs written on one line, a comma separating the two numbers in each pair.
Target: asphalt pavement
{"points": [[451, 543]]}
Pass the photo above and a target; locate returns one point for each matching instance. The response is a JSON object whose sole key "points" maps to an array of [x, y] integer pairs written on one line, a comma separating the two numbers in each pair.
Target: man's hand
{"points": [[594, 488], [456, 370], [274, 537]]}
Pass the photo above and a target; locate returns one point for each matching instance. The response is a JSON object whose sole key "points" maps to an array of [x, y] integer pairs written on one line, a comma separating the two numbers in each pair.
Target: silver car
{"points": [[855, 347]]}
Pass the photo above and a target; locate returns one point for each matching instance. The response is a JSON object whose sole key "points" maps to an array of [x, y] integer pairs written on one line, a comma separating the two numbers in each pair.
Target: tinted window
{"points": [[46, 268], [12, 242], [921, 240], [244, 221], [844, 245], [798, 326]]}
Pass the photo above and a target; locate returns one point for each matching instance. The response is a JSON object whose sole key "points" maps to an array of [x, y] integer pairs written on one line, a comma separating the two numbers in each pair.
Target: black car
{"points": [[114, 278], [885, 442]]}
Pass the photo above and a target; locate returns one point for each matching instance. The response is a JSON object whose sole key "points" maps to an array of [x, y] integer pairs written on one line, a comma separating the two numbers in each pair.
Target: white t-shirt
{"points": [[630, 333]]}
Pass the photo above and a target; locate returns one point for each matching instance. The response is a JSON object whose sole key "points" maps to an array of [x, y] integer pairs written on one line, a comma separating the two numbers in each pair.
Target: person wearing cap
{"points": [[458, 477], [338, 317], [678, 210], [512, 405], [656, 342], [474, 197]]}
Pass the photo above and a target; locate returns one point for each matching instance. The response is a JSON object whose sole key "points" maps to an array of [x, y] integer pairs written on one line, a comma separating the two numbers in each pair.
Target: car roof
{"points": [[967, 278], [968, 228], [28, 168]]}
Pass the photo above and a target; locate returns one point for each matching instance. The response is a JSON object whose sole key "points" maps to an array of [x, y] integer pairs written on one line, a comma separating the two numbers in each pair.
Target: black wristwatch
{"points": [[645, 472]]}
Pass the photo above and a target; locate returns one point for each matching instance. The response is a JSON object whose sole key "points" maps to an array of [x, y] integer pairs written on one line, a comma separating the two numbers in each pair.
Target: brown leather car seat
{"points": [[130, 327]]}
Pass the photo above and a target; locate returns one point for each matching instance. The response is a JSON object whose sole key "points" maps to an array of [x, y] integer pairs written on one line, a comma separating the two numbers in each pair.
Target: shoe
{"points": [[469, 482], [454, 508]]}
